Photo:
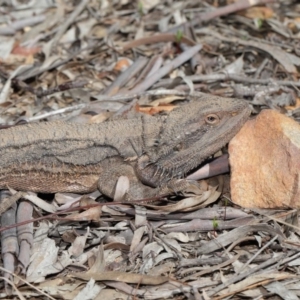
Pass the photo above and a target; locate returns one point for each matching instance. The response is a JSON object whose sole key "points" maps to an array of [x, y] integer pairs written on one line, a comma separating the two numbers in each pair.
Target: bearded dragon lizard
{"points": [[154, 152]]}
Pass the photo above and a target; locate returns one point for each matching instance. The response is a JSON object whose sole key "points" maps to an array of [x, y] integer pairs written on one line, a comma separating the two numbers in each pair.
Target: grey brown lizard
{"points": [[154, 152]]}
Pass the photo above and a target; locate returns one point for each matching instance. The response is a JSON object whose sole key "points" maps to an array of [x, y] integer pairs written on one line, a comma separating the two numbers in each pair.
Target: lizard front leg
{"points": [[115, 167]]}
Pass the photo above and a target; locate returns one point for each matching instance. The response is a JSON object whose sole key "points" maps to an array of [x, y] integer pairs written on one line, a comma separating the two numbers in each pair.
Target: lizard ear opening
{"points": [[212, 119]]}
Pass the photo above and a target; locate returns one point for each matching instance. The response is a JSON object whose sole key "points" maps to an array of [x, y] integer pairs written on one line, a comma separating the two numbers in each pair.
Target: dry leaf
{"points": [[259, 12], [154, 110], [122, 64], [124, 277], [25, 51]]}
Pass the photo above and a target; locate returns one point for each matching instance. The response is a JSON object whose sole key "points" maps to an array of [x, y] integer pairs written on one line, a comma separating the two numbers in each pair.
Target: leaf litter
{"points": [[85, 61]]}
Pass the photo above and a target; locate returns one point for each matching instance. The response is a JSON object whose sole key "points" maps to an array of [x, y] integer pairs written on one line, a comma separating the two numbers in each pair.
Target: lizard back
{"points": [[62, 156]]}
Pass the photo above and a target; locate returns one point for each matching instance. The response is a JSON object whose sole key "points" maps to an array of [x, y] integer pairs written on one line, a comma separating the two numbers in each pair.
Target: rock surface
{"points": [[265, 162]]}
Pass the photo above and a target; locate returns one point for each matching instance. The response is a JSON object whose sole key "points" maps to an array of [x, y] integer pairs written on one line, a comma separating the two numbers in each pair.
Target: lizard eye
{"points": [[212, 119]]}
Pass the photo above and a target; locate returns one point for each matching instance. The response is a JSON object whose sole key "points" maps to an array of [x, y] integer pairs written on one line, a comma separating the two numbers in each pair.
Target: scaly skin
{"points": [[152, 151]]}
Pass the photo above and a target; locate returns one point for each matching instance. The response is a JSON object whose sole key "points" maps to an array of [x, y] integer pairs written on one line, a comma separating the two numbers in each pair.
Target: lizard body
{"points": [[152, 151]]}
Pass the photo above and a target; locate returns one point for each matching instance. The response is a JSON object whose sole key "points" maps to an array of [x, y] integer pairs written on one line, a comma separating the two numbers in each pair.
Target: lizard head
{"points": [[191, 133]]}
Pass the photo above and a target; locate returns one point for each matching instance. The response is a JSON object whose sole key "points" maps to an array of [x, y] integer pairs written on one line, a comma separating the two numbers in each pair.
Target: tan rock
{"points": [[265, 162]]}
